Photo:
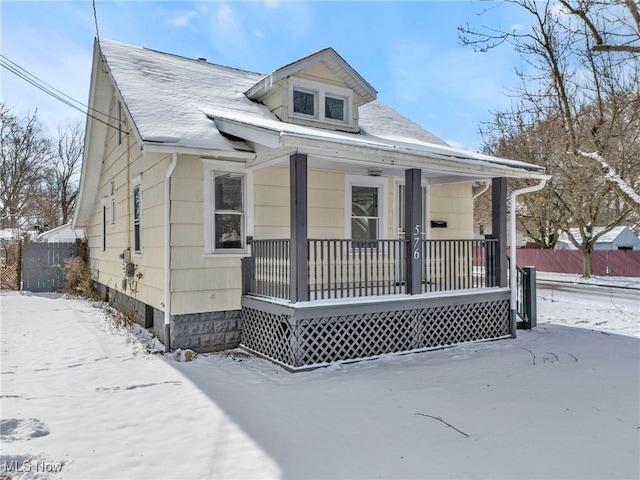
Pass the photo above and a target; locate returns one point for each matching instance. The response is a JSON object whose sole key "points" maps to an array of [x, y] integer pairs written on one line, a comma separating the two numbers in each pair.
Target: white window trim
{"points": [[136, 182], [113, 212], [103, 225], [211, 167], [366, 181], [426, 204], [320, 90]]}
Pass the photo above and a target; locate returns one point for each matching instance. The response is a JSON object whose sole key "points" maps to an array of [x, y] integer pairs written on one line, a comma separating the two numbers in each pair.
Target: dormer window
{"points": [[304, 103], [319, 102], [334, 108]]}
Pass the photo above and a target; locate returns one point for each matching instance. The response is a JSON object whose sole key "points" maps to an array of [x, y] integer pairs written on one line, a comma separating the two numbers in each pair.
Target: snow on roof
{"points": [[173, 100], [165, 93], [608, 237], [378, 136], [63, 233]]}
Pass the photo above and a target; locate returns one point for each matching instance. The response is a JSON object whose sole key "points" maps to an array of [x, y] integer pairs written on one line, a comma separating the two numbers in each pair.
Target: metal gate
{"points": [[43, 265]]}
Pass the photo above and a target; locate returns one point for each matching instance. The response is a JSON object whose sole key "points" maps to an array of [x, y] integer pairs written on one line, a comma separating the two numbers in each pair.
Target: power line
{"points": [[35, 81], [54, 92]]}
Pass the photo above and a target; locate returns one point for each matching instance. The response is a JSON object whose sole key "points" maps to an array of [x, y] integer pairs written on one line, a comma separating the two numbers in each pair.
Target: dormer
{"points": [[321, 90]]}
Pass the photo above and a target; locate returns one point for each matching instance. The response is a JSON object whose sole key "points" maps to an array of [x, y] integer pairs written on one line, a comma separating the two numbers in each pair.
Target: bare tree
{"points": [[61, 184], [614, 25], [575, 102], [24, 152]]}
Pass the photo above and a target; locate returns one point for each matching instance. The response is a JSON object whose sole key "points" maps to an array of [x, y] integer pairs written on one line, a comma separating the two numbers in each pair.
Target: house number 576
{"points": [[416, 242]]}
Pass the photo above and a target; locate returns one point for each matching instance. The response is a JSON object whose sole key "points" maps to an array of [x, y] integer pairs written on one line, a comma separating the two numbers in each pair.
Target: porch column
{"points": [[299, 291], [413, 229], [499, 228]]}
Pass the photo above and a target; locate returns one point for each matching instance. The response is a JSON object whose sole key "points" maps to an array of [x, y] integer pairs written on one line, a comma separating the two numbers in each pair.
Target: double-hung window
{"points": [[226, 207], [228, 211], [137, 215], [365, 219], [365, 202]]}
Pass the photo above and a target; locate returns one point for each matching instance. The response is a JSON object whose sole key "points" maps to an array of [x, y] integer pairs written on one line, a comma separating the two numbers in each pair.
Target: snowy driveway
{"points": [[83, 397]]}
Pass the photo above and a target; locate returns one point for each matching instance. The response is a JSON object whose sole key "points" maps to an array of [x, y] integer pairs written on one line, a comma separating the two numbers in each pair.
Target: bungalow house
{"points": [[291, 213]]}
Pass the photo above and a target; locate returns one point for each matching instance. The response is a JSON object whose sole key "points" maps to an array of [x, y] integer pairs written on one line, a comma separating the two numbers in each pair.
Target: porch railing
{"points": [[526, 297], [339, 268]]}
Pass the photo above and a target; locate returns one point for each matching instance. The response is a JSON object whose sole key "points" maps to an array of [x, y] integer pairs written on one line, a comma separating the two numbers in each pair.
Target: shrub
{"points": [[77, 274]]}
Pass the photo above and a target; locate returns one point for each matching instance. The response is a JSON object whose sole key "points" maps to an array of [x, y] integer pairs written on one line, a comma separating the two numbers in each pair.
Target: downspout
{"points": [[167, 253], [512, 252], [484, 189]]}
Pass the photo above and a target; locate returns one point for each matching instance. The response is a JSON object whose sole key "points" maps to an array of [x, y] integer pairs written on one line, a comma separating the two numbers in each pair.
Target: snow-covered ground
{"points": [[82, 398]]}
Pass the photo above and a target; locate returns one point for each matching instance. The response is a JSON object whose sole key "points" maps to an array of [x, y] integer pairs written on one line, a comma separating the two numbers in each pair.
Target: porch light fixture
{"points": [[374, 171]]}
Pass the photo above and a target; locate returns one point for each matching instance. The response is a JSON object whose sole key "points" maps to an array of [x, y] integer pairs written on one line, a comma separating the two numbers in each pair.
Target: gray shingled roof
{"points": [[167, 95]]}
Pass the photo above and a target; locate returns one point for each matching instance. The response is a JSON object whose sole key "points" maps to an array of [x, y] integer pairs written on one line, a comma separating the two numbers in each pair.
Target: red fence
{"points": [[615, 263]]}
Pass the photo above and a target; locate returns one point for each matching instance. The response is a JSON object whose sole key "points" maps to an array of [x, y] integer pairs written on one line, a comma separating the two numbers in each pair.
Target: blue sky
{"points": [[408, 51]]}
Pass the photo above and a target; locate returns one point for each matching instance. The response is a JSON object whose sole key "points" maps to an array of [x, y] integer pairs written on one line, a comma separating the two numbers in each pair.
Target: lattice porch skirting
{"points": [[310, 334]]}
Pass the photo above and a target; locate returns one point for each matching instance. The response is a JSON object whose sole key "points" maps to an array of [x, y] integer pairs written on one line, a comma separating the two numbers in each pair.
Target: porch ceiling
{"points": [[274, 141]]}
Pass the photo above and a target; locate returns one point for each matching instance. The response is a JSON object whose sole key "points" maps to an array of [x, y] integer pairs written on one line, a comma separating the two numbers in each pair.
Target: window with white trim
{"points": [[137, 215], [320, 102], [304, 102], [113, 210], [365, 220], [228, 211], [365, 202], [226, 207]]}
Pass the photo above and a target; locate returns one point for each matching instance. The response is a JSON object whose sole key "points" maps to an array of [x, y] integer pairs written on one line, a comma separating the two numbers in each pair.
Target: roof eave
{"points": [[375, 154], [153, 147]]}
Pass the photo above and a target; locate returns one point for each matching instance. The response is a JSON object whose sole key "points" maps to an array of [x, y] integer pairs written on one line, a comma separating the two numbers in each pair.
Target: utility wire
{"points": [[33, 80], [54, 92]]}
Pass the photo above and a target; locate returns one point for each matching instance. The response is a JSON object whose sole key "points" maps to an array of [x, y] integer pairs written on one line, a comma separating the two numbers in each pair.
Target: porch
{"points": [[359, 302], [309, 302]]}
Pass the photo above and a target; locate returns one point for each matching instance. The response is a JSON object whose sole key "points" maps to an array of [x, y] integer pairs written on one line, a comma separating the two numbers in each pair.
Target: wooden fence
{"points": [[10, 264], [615, 263], [43, 265]]}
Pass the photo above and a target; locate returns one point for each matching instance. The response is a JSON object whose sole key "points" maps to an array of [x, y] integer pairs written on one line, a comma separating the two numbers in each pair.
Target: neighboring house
{"points": [[10, 234], [226, 207], [618, 238], [63, 234]]}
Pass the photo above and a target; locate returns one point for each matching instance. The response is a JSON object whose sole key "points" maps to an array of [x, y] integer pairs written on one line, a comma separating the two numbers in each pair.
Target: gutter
{"points": [[167, 253], [513, 250]]}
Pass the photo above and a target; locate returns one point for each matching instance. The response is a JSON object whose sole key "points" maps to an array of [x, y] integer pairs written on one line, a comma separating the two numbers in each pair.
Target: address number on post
{"points": [[416, 242]]}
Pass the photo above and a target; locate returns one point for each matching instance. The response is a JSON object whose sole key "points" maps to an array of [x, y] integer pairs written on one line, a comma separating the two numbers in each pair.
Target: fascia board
{"points": [[201, 152], [388, 156]]}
